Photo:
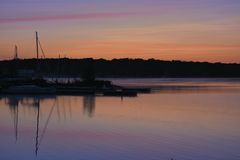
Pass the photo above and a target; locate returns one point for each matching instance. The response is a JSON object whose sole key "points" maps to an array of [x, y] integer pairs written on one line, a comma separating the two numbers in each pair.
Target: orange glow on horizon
{"points": [[111, 50]]}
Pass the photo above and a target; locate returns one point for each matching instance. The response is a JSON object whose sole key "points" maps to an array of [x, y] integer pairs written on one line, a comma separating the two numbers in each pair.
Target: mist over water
{"points": [[182, 119]]}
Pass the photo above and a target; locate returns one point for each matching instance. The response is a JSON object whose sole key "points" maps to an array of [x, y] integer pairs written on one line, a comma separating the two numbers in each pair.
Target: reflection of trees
{"points": [[89, 105]]}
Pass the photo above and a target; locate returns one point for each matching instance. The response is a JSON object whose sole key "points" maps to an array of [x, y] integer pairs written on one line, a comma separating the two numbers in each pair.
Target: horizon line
{"points": [[147, 59]]}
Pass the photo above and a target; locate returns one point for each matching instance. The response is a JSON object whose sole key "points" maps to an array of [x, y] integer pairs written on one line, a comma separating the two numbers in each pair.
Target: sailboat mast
{"points": [[16, 52], [37, 43]]}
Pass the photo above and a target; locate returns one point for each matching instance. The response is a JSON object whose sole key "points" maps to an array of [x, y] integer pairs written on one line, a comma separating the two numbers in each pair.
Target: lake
{"points": [[182, 119]]}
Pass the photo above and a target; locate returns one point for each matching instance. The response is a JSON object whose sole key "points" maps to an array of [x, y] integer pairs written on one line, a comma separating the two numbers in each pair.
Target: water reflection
{"points": [[13, 106], [89, 105], [13, 102], [151, 126], [37, 129], [34, 102]]}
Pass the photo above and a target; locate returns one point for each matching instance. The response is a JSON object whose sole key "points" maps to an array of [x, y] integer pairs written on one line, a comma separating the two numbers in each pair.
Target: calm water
{"points": [[184, 119]]}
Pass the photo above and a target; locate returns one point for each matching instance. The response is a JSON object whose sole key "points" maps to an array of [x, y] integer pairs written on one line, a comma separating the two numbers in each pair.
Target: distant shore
{"points": [[122, 68]]}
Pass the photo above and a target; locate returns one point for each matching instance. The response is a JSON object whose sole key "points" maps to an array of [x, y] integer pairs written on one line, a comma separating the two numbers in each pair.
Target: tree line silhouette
{"points": [[90, 68]]}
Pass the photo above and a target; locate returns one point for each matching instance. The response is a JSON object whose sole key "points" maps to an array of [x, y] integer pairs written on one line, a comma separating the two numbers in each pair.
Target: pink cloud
{"points": [[64, 17]]}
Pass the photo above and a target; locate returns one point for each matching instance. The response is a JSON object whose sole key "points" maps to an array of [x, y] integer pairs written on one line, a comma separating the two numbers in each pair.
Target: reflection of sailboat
{"points": [[29, 101], [16, 124], [27, 81], [34, 104], [89, 105], [37, 131], [37, 140]]}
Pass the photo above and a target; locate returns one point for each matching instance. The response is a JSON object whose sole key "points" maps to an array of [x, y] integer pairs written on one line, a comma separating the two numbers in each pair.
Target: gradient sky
{"points": [[198, 30]]}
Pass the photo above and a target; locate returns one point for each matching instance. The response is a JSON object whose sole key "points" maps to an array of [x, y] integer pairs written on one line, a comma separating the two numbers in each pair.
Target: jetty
{"points": [[41, 86]]}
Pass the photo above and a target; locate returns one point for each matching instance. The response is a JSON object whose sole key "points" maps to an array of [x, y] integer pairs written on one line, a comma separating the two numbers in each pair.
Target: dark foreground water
{"points": [[183, 119]]}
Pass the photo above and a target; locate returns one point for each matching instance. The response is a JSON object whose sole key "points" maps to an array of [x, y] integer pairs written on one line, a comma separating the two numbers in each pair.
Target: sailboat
{"points": [[33, 85]]}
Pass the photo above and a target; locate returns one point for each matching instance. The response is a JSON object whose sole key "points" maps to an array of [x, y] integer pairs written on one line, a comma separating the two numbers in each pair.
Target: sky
{"points": [[189, 30]]}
